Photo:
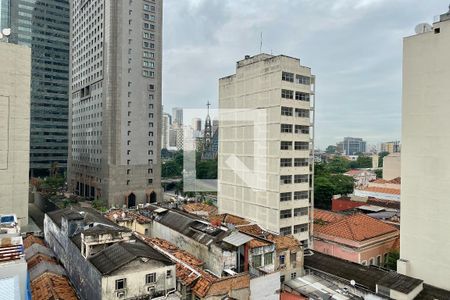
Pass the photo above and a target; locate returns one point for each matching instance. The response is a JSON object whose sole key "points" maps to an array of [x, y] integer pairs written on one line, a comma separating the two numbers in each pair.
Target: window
{"points": [[150, 278], [286, 111], [302, 79], [285, 196], [148, 73], [301, 129], [294, 275], [268, 258], [301, 146], [301, 96], [301, 195], [285, 145], [282, 259], [379, 260], [301, 113], [150, 181], [370, 261], [121, 284], [302, 211], [128, 182], [257, 261], [286, 162], [282, 278], [300, 178], [364, 262], [128, 171], [285, 179], [287, 76], [385, 258], [286, 214], [300, 228], [300, 162], [169, 273], [286, 128], [287, 94]]}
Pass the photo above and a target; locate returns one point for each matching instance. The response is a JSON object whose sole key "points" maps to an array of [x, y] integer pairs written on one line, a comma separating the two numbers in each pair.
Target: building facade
{"points": [[284, 90], [391, 147], [165, 132], [115, 101], [351, 146], [15, 62], [425, 162], [44, 27]]}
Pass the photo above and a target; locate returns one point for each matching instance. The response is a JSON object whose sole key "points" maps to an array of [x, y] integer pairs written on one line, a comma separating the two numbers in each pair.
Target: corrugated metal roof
{"points": [[237, 239]]}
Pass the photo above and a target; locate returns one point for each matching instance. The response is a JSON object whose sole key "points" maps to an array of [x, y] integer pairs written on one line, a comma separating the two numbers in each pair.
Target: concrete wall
{"points": [[265, 287], [391, 166], [84, 277], [214, 257], [135, 275], [15, 74], [425, 221]]}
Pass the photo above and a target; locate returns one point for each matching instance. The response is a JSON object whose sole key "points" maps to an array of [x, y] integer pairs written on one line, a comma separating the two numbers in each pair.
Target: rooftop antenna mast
{"points": [[261, 43]]}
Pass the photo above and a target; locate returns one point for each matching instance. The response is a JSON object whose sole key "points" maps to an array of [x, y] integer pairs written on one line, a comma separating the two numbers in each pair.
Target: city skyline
{"points": [[350, 70]]}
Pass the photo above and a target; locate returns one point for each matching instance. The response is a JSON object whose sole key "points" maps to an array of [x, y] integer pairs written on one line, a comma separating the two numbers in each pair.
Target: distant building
{"points": [[361, 177], [165, 131], [285, 89], [425, 155], [391, 147], [358, 238], [197, 124], [105, 261], [15, 76], [392, 166], [177, 116], [351, 146]]}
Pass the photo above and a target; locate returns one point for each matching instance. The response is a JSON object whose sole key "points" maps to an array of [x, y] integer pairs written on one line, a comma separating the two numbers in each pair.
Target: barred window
{"points": [[301, 146], [302, 96], [300, 228], [285, 196], [285, 179], [301, 195], [300, 162], [286, 213], [302, 79], [284, 145], [301, 129], [287, 94], [286, 111], [300, 178], [284, 231], [303, 211], [286, 162], [302, 113], [286, 76], [286, 128]]}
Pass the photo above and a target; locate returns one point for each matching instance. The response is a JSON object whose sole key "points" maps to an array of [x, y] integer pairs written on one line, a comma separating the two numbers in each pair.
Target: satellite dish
{"points": [[423, 27], [6, 31], [352, 282]]}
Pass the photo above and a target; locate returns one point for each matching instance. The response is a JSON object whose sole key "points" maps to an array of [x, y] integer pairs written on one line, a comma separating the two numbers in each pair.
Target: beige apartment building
{"points": [[265, 165], [15, 74], [425, 166]]}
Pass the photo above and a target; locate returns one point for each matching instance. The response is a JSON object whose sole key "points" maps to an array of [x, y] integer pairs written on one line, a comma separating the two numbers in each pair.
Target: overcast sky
{"points": [[354, 47]]}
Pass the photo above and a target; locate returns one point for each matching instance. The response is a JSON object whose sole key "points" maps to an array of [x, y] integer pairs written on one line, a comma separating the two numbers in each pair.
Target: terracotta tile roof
{"points": [[117, 215], [353, 172], [257, 243], [51, 286], [225, 285], [37, 259], [289, 296], [283, 242], [384, 203], [382, 190], [230, 219], [211, 210], [324, 217], [357, 227], [253, 229], [379, 180], [397, 180], [31, 239]]}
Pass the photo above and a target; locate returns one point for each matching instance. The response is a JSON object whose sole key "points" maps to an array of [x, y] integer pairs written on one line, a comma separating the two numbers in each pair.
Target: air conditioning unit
{"points": [[120, 294], [151, 290]]}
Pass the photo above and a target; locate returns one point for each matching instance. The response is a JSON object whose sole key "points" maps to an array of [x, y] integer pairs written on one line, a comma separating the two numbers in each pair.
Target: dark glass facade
{"points": [[44, 26]]}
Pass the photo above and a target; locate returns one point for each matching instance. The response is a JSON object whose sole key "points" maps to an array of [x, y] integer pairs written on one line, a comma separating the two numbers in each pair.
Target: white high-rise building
{"points": [[15, 78], [425, 166], [284, 89], [115, 100], [165, 131]]}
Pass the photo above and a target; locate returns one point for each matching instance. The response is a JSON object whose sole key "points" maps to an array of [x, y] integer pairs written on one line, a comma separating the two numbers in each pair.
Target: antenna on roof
{"points": [[261, 43]]}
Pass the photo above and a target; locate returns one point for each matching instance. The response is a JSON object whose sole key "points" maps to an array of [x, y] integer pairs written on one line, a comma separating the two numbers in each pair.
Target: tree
{"points": [[381, 156], [331, 149], [338, 165], [391, 262], [323, 192], [342, 184], [364, 161], [379, 173]]}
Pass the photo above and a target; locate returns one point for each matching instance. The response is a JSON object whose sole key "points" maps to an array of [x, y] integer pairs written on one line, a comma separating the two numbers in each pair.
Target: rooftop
{"points": [[121, 215], [357, 227], [200, 208], [89, 215], [366, 277], [119, 254], [381, 190]]}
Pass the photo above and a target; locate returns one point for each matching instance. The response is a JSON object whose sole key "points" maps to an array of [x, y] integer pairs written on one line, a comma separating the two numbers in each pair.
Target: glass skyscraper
{"points": [[44, 26]]}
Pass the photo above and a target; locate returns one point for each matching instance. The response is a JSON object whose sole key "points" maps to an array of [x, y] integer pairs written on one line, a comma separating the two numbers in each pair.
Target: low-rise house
{"points": [[130, 219], [379, 192], [104, 260], [361, 177], [194, 282], [200, 209], [48, 279], [358, 238]]}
